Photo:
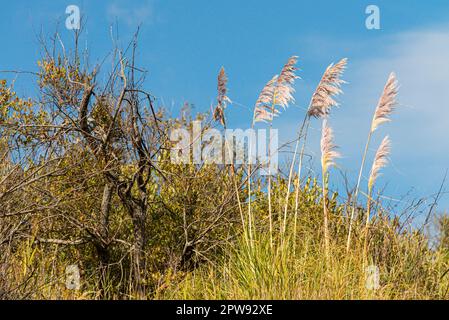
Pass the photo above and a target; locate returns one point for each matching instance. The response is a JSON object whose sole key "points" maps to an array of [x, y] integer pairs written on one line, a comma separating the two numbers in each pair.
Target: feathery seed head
{"points": [[380, 160], [262, 110], [222, 98], [330, 85], [222, 87], [387, 103], [288, 71], [328, 153], [219, 115], [278, 92]]}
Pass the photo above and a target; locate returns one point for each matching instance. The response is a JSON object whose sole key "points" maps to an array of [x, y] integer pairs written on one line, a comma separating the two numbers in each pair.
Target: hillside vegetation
{"points": [[87, 180]]}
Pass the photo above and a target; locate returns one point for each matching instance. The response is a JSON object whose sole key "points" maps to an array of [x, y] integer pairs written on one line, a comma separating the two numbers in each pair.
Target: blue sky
{"points": [[184, 43]]}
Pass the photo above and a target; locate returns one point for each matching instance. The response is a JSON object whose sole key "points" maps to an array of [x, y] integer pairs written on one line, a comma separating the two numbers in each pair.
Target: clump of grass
{"points": [[328, 155], [384, 109], [277, 94], [408, 268], [320, 104], [295, 269], [380, 161]]}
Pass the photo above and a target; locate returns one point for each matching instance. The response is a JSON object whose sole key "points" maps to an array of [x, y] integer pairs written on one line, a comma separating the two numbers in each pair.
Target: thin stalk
{"points": [[290, 175], [269, 209], [239, 202], [326, 218], [250, 220], [368, 213], [270, 216], [245, 231], [298, 182], [270, 213], [356, 193]]}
